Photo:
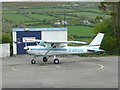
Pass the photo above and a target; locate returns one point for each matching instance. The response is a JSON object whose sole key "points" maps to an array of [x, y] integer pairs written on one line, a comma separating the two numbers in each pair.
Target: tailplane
{"points": [[97, 40]]}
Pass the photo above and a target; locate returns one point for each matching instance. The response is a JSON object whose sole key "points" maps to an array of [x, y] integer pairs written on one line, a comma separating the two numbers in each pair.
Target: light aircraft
{"points": [[47, 48]]}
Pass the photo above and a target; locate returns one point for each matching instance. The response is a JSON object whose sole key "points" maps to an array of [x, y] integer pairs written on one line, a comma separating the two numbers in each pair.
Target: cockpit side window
{"points": [[52, 45]]}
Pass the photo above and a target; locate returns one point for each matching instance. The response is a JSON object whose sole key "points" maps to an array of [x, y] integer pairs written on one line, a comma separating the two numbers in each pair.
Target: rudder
{"points": [[97, 40]]}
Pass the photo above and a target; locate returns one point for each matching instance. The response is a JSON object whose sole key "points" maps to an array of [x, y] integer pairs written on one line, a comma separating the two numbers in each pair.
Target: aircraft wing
{"points": [[59, 42]]}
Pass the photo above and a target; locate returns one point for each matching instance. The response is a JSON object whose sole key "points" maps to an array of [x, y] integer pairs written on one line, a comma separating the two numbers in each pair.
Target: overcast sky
{"points": [[54, 0], [59, 0]]}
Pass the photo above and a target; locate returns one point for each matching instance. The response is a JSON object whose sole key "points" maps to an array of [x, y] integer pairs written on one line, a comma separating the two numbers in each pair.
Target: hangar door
{"points": [[23, 34]]}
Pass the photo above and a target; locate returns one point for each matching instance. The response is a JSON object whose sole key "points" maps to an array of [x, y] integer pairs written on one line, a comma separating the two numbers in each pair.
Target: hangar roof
{"points": [[39, 29]]}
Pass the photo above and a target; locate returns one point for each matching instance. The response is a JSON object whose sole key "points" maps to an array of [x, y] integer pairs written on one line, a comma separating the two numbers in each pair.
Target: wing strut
{"points": [[49, 50]]}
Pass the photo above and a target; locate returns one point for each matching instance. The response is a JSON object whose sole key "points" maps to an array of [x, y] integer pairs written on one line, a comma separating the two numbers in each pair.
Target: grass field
{"points": [[40, 17], [17, 18], [80, 30], [36, 15], [91, 9]]}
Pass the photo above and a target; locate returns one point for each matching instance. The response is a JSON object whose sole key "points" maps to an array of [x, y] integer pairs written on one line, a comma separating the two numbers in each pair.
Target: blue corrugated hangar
{"points": [[19, 34]]}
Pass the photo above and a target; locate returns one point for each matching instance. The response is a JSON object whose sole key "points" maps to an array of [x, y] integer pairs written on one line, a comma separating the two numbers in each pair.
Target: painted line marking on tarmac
{"points": [[44, 66], [58, 67], [101, 66], [13, 69]]}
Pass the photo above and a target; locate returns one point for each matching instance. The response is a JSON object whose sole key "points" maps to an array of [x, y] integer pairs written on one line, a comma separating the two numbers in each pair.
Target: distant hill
{"points": [[51, 14]]}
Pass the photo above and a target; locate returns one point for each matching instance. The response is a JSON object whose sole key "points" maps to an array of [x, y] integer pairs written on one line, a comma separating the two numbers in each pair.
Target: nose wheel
{"points": [[33, 61]]}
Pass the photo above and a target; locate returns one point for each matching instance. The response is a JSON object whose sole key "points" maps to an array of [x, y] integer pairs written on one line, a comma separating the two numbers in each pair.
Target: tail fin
{"points": [[97, 40]]}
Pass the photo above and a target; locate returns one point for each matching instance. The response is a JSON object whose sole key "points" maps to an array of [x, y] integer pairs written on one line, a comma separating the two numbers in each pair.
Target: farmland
{"points": [[41, 14]]}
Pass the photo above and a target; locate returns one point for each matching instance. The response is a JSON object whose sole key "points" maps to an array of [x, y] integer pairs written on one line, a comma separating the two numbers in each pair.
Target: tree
{"points": [[109, 41], [111, 27], [6, 38]]}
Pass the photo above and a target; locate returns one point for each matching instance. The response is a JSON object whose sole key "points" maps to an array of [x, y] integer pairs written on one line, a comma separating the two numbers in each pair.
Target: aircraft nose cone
{"points": [[26, 48]]}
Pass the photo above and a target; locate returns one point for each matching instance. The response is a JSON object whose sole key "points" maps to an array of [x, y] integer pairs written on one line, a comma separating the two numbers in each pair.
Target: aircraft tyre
{"points": [[56, 61], [33, 61], [45, 59]]}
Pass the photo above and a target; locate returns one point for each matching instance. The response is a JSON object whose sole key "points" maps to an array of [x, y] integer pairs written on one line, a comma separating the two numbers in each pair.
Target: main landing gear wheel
{"points": [[45, 59], [33, 61], [56, 61]]}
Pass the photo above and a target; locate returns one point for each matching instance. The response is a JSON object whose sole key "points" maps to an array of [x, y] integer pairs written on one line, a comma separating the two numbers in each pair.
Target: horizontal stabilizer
{"points": [[95, 50]]}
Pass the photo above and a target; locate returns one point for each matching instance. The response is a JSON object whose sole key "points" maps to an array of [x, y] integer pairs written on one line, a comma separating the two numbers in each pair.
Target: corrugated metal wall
{"points": [[21, 34]]}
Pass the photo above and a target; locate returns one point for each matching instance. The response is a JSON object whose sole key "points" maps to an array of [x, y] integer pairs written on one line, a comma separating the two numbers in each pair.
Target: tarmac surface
{"points": [[72, 72]]}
